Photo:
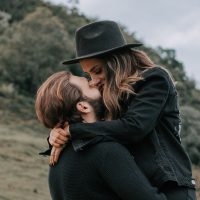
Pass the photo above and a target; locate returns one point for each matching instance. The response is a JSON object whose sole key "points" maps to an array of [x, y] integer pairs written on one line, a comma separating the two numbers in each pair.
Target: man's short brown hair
{"points": [[56, 101]]}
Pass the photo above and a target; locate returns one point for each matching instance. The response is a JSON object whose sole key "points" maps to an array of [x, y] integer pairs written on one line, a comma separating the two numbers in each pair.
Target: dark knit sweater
{"points": [[102, 172]]}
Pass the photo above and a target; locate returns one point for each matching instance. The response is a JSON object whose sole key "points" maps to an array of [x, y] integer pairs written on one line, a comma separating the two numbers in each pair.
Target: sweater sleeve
{"points": [[140, 119], [119, 171]]}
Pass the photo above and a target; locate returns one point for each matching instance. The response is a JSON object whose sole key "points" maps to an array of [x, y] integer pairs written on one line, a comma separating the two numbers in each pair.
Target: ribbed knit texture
{"points": [[105, 171]]}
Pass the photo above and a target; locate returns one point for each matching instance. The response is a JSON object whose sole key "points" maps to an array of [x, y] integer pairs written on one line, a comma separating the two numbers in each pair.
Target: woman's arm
{"points": [[120, 172], [141, 116]]}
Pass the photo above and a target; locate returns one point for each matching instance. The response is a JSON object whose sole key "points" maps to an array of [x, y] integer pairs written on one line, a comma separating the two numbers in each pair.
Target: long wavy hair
{"points": [[122, 70]]}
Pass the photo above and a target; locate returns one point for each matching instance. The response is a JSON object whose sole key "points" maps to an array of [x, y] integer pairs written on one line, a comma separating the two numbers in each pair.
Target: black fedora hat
{"points": [[97, 39]]}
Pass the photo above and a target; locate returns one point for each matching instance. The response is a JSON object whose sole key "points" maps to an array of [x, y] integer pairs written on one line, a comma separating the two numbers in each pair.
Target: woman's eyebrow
{"points": [[93, 68]]}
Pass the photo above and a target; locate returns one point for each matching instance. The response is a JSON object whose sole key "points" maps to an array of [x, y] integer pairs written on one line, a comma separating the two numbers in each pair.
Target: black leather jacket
{"points": [[149, 127]]}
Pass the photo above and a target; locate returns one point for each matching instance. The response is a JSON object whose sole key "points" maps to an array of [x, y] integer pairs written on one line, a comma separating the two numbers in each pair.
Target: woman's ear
{"points": [[83, 107]]}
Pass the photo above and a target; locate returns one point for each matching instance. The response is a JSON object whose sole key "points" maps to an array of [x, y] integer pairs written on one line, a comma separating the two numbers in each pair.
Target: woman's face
{"points": [[87, 90], [94, 68]]}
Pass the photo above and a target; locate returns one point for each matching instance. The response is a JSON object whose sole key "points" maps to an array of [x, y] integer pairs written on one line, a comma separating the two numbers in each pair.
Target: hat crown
{"points": [[97, 37]]}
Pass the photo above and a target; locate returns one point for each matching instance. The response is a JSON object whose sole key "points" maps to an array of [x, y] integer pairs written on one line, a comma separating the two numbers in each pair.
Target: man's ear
{"points": [[83, 107]]}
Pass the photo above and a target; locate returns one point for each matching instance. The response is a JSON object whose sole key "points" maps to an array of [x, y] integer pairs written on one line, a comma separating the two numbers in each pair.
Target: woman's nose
{"points": [[94, 82]]}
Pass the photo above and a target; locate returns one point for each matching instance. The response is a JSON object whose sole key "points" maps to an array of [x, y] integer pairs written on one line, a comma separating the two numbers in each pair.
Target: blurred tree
{"points": [[33, 50], [4, 18], [69, 17], [72, 3], [191, 132], [168, 58], [184, 84], [18, 9]]}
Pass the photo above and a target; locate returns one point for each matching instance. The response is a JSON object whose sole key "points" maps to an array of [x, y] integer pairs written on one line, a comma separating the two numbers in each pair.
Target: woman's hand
{"points": [[55, 153], [58, 136]]}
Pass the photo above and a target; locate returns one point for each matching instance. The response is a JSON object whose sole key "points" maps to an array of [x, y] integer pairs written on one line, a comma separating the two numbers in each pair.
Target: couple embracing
{"points": [[115, 131]]}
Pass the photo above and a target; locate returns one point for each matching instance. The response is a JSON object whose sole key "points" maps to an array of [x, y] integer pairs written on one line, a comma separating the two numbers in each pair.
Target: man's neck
{"points": [[89, 117]]}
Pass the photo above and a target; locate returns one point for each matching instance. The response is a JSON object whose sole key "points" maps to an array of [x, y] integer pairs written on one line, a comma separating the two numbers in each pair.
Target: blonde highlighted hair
{"points": [[123, 69]]}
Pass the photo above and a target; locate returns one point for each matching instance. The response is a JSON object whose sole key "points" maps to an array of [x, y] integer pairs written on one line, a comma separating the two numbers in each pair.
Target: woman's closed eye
{"points": [[98, 71]]}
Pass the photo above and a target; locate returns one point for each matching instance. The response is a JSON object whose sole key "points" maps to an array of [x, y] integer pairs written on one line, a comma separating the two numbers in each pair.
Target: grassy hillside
{"points": [[23, 173]]}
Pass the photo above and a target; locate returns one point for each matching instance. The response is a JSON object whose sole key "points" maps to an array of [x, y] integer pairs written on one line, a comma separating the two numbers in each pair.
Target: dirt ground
{"points": [[23, 173]]}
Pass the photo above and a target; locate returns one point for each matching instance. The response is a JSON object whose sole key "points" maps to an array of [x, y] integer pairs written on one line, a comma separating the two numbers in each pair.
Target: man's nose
{"points": [[94, 82]]}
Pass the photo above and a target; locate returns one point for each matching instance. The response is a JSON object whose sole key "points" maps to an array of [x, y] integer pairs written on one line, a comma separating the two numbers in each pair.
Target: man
{"points": [[103, 171]]}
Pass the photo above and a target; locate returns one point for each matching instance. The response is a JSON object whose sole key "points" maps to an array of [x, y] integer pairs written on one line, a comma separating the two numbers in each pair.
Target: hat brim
{"points": [[76, 60]]}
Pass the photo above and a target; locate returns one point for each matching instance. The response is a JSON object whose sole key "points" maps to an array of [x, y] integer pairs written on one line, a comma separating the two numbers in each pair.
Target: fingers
{"points": [[60, 131], [65, 124], [51, 155], [57, 142], [62, 138], [54, 143], [55, 153], [58, 137]]}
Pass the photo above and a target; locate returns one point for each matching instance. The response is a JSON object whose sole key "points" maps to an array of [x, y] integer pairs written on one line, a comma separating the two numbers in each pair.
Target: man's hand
{"points": [[55, 153], [59, 136]]}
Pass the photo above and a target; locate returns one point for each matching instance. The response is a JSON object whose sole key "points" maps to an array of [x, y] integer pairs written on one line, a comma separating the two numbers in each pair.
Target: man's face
{"points": [[88, 91], [92, 93]]}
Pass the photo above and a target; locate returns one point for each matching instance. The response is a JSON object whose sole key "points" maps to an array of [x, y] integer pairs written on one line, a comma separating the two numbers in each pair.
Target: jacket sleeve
{"points": [[140, 119], [120, 172]]}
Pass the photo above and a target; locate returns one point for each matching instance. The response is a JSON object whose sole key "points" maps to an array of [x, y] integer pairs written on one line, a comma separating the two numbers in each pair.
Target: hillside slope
{"points": [[23, 173]]}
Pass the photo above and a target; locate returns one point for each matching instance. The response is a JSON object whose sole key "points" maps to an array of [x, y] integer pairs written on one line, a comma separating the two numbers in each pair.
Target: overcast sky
{"points": [[167, 23]]}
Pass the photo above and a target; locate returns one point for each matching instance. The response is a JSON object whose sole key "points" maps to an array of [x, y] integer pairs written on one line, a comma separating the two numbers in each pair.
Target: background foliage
{"points": [[36, 36]]}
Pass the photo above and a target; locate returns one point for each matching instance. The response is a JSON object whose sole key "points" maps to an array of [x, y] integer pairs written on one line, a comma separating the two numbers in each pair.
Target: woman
{"points": [[88, 174], [142, 108]]}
